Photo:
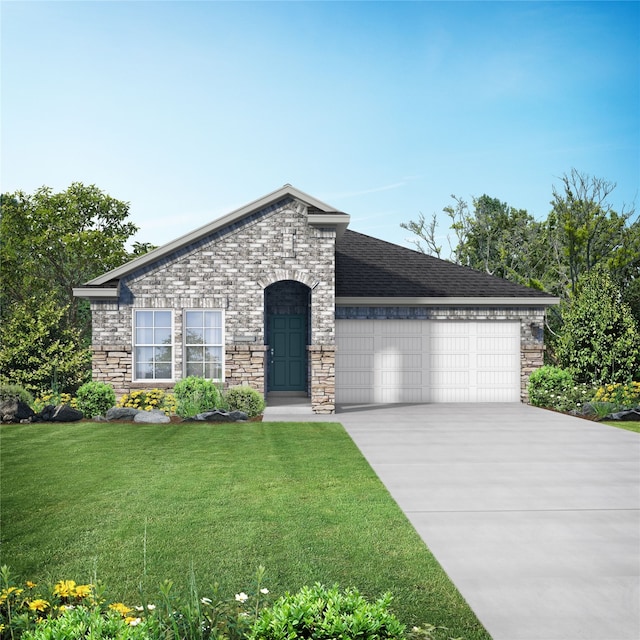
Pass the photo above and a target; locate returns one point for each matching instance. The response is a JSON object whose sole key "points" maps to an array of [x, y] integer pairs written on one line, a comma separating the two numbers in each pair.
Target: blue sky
{"points": [[189, 110]]}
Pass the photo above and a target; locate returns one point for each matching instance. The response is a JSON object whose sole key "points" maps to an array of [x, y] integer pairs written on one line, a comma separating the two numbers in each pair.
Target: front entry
{"points": [[287, 353], [287, 311]]}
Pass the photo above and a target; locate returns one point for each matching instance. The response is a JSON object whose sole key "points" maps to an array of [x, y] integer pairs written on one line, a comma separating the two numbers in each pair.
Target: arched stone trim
{"points": [[287, 274]]}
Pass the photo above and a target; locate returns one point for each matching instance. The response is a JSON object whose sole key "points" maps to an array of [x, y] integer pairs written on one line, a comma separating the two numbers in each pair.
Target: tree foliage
{"points": [[600, 341], [39, 351], [53, 242], [49, 244], [583, 231]]}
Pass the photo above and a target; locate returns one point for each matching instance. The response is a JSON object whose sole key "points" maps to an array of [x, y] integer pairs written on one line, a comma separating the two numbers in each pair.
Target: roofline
{"points": [[95, 292], [457, 301], [211, 227]]}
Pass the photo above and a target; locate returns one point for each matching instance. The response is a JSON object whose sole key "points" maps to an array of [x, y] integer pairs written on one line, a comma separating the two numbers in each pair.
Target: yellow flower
{"points": [[83, 590], [38, 605], [121, 608], [5, 593], [65, 588], [31, 585]]}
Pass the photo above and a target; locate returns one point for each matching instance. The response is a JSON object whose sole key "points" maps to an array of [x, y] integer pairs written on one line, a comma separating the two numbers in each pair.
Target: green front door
{"points": [[287, 353]]}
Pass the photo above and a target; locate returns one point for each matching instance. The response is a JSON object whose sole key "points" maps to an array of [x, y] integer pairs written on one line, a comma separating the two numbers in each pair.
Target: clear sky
{"points": [[188, 110]]}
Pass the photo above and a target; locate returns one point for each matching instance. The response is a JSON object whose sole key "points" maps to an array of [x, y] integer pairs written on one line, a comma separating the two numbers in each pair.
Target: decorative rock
{"points": [[152, 417], [122, 413], [65, 413], [630, 415], [216, 415], [14, 410]]}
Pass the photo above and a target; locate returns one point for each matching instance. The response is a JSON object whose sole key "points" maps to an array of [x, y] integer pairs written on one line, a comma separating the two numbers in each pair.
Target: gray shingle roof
{"points": [[368, 267]]}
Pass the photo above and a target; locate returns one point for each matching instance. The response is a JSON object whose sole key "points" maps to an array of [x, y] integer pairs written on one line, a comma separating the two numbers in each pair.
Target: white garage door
{"points": [[385, 361]]}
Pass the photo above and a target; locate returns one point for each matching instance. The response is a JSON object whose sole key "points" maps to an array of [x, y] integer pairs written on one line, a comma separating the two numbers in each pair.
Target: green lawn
{"points": [[629, 426], [134, 505]]}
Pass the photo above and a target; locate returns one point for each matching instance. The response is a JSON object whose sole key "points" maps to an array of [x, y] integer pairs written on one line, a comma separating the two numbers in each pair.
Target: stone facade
{"points": [[227, 271], [322, 378]]}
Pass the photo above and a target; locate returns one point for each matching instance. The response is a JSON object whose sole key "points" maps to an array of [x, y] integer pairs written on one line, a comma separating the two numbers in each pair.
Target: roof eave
{"points": [[456, 301], [96, 293]]}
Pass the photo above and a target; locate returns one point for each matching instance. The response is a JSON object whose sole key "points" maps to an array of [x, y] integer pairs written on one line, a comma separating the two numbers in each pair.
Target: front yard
{"points": [[132, 506]]}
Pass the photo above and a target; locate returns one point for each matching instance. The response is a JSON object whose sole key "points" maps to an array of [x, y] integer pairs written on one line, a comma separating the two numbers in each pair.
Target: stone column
{"points": [[245, 365], [322, 360]]}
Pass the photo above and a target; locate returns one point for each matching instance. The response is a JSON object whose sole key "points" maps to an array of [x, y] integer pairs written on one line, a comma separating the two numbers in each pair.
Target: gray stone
{"points": [[14, 410], [629, 415], [152, 417], [122, 413], [216, 415]]}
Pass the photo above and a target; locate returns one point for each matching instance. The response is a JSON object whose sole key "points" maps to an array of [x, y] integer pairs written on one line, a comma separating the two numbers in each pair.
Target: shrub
{"points": [[82, 622], [195, 395], [9, 391], [321, 613], [67, 611], [95, 398], [555, 388], [50, 397], [148, 400], [245, 399], [599, 338], [621, 396]]}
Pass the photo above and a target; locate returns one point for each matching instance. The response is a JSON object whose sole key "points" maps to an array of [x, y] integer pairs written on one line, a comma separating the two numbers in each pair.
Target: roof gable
{"points": [[318, 214], [370, 268]]}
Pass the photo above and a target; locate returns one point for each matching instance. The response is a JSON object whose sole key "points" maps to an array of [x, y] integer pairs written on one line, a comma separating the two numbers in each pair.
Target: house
{"points": [[281, 296]]}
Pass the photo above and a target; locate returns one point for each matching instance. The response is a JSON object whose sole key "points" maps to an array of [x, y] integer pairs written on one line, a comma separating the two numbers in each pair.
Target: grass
{"points": [[628, 425], [135, 505]]}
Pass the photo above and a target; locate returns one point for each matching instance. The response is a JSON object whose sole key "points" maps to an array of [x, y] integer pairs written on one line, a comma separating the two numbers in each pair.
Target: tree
{"points": [[584, 231], [52, 242], [39, 352], [49, 244], [599, 341], [491, 237]]}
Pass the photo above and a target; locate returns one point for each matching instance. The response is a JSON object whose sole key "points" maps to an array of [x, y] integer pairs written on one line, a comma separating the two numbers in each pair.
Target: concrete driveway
{"points": [[534, 515]]}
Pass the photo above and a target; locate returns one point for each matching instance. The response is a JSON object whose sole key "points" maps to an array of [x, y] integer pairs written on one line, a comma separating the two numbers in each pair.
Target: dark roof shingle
{"points": [[368, 267]]}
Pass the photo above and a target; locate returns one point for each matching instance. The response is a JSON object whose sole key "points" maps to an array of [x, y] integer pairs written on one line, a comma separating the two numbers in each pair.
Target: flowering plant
{"points": [[149, 399]]}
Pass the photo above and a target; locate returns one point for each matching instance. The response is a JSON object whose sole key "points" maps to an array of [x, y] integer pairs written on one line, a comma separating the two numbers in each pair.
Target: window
{"points": [[203, 344], [153, 345]]}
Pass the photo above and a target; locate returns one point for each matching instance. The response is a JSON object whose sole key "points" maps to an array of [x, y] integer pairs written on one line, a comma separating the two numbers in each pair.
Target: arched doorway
{"points": [[287, 334]]}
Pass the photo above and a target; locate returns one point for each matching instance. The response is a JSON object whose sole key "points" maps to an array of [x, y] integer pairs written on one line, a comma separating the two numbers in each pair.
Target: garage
{"points": [[390, 361]]}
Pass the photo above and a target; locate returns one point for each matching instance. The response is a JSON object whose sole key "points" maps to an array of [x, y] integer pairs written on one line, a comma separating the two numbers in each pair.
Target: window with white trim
{"points": [[203, 344], [153, 344]]}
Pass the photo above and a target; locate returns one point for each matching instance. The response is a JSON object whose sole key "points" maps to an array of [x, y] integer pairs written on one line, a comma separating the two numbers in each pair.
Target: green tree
{"points": [[39, 351], [599, 341], [491, 236], [53, 242], [584, 231]]}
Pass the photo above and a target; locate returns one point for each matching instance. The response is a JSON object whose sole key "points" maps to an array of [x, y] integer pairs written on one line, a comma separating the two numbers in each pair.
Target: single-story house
{"points": [[281, 296]]}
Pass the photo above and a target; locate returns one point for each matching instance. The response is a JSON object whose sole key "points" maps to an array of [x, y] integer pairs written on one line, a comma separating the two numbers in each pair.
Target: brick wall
{"points": [[228, 270]]}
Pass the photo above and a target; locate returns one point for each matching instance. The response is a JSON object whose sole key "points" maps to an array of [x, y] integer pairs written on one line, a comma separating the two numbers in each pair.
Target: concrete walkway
{"points": [[534, 515]]}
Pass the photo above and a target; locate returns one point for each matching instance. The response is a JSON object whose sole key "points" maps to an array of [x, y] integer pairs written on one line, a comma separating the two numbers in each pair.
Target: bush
{"points": [[620, 396], [321, 613], [9, 391], [81, 622], [195, 395], [95, 398], [555, 388], [245, 399], [52, 398], [148, 400], [67, 611]]}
